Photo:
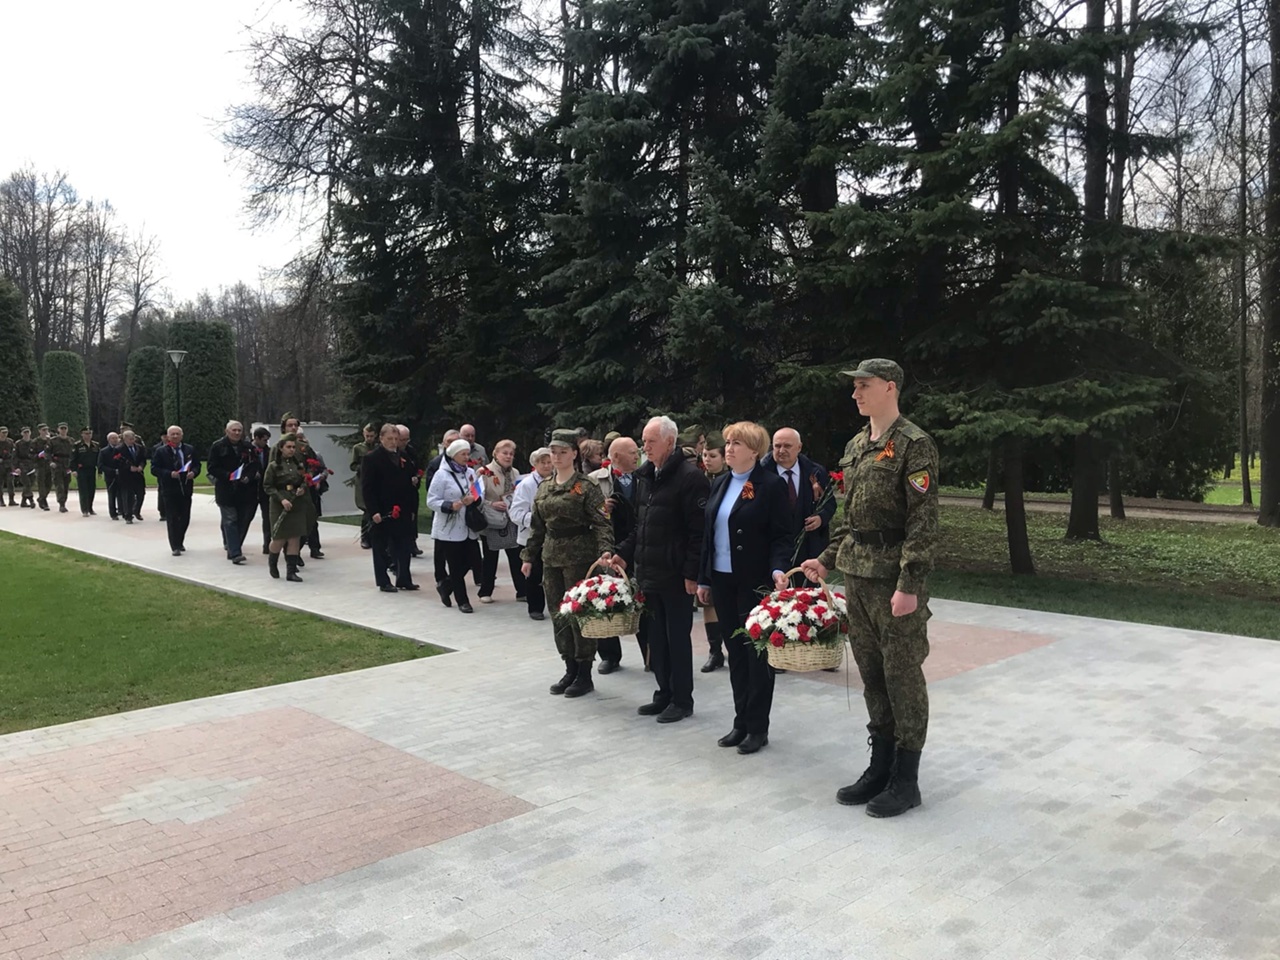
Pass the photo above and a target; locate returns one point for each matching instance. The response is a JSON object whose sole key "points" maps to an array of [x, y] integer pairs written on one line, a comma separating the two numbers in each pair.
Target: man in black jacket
{"points": [[174, 465], [390, 497], [261, 454], [234, 470], [133, 464], [110, 463], [665, 548]]}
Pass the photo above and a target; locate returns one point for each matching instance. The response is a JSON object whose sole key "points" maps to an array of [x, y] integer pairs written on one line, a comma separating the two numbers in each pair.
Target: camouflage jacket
{"points": [[7, 450], [60, 449], [568, 526], [891, 484]]}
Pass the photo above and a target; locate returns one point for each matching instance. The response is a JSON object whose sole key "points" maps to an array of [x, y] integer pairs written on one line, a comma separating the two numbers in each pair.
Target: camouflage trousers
{"points": [[889, 652], [7, 479], [61, 482], [44, 480], [569, 639], [26, 480]]}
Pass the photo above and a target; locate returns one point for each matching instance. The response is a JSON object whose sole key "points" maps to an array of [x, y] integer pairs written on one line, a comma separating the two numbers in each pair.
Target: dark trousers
{"points": [[391, 542], [475, 560], [534, 594], [458, 562], [670, 648], [610, 648], [177, 517], [749, 672], [366, 524], [115, 495], [237, 517], [264, 508], [490, 577], [312, 539], [131, 488], [441, 565], [87, 488], [246, 508]]}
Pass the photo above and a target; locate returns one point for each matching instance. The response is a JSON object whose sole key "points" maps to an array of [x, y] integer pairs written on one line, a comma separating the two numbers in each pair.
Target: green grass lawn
{"points": [[1223, 577], [83, 637]]}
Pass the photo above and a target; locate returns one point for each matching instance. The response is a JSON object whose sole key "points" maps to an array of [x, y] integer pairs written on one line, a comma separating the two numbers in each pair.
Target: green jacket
{"points": [[60, 450], [568, 526], [358, 453], [891, 486], [285, 480], [85, 456]]}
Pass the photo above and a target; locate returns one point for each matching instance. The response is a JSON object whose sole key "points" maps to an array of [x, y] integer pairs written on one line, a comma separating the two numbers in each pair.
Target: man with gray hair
{"points": [[665, 548], [134, 461], [233, 469], [109, 465]]}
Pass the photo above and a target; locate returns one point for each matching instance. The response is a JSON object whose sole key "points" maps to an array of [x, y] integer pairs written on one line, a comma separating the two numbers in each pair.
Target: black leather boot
{"points": [[570, 674], [273, 565], [582, 683], [875, 778], [716, 658], [903, 791], [292, 563]]}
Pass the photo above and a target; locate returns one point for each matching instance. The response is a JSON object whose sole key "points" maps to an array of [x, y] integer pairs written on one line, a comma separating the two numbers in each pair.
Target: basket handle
{"points": [[607, 568], [831, 601]]}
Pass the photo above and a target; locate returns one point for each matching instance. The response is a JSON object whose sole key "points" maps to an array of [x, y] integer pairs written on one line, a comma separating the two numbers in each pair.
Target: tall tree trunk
{"points": [[1083, 521], [1242, 286], [993, 476], [1015, 510], [1269, 424]]}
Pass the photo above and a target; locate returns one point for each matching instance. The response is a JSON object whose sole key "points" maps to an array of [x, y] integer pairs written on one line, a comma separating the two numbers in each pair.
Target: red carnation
{"points": [[610, 601], [639, 598], [395, 512], [592, 595], [777, 639], [575, 606], [754, 631], [803, 630]]}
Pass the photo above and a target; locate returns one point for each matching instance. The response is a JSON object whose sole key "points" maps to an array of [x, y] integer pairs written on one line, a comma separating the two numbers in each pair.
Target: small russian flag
{"points": [[238, 472], [476, 490]]}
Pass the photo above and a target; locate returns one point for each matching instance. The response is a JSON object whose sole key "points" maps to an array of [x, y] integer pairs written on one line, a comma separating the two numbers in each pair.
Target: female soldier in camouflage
{"points": [[713, 466], [568, 531], [286, 485]]}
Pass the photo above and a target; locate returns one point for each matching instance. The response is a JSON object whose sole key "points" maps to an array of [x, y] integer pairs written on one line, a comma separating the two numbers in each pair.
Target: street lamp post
{"points": [[177, 356]]}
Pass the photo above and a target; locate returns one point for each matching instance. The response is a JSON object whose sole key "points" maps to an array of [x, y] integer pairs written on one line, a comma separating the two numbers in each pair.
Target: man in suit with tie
{"points": [[806, 482], [175, 466], [131, 476], [617, 483]]}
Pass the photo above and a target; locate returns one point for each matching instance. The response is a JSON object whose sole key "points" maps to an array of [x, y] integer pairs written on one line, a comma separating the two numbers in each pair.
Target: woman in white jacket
{"points": [[521, 513], [452, 490]]}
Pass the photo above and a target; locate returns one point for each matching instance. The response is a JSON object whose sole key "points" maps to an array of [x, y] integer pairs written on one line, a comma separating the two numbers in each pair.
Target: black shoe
{"points": [[521, 598], [445, 597], [714, 662], [115, 518], [608, 666], [753, 742], [138, 517], [91, 513], [537, 616], [128, 520], [732, 738], [903, 791], [238, 560], [177, 553], [62, 508], [415, 552], [830, 669], [875, 778], [570, 674], [84, 513], [365, 545], [43, 505], [777, 671], [273, 566], [674, 714], [317, 555], [651, 709], [582, 683], [465, 608], [387, 588], [410, 586], [298, 558], [266, 551]]}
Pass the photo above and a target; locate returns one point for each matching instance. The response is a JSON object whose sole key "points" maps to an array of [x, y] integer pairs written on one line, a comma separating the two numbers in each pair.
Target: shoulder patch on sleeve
{"points": [[920, 481], [911, 431]]}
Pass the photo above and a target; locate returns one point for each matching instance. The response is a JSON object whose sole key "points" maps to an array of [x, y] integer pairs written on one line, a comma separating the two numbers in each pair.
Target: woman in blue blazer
{"points": [[746, 542]]}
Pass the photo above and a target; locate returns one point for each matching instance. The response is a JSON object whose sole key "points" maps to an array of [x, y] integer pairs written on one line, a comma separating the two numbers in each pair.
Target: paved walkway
{"points": [[1092, 790]]}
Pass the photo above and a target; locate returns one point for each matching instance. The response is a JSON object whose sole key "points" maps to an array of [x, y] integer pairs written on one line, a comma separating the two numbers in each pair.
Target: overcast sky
{"points": [[126, 98]]}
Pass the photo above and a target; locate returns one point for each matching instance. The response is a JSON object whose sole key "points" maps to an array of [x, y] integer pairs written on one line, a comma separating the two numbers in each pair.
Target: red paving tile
{"points": [[118, 841]]}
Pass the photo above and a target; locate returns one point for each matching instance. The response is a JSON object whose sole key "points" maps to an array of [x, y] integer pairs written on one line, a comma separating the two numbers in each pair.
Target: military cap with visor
{"points": [[876, 367], [564, 438]]}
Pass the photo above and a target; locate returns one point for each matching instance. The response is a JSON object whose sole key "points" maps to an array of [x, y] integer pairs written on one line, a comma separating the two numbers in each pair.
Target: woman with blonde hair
{"points": [[746, 546], [499, 480]]}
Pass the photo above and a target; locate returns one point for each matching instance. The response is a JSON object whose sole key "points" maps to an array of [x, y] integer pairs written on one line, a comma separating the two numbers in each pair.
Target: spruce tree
{"points": [[209, 389], [66, 393], [19, 388]]}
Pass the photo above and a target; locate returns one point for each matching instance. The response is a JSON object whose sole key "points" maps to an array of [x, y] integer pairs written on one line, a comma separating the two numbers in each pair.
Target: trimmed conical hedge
{"points": [[144, 393], [209, 384], [66, 392], [19, 387]]}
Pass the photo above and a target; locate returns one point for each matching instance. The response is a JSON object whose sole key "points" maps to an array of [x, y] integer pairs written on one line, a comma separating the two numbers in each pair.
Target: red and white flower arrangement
{"points": [[602, 596], [803, 615]]}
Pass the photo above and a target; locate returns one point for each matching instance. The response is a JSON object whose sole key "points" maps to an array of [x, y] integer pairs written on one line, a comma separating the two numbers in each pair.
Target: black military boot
{"points": [[292, 563], [570, 674], [874, 778], [582, 683], [273, 565], [44, 504], [903, 791], [716, 659]]}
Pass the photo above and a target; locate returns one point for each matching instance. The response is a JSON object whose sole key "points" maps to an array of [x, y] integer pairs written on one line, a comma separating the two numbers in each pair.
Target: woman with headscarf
{"points": [[452, 490], [286, 486]]}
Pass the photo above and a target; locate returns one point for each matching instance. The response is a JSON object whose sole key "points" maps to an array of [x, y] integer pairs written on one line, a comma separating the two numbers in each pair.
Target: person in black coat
{"points": [[806, 483], [745, 550], [235, 473], [174, 465], [665, 548], [260, 452], [134, 482], [390, 497], [110, 465]]}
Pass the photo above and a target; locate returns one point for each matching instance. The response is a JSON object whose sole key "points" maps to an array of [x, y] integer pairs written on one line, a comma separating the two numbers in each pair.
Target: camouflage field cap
{"points": [[611, 436], [715, 440], [564, 438], [876, 367], [689, 435], [42, 426], [26, 429], [4, 429], [64, 426]]}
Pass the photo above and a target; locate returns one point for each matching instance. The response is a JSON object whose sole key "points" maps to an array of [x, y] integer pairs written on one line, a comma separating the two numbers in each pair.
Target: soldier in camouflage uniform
{"points": [[358, 453], [884, 546], [44, 476], [24, 452], [568, 531], [84, 461], [60, 450], [8, 463]]}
